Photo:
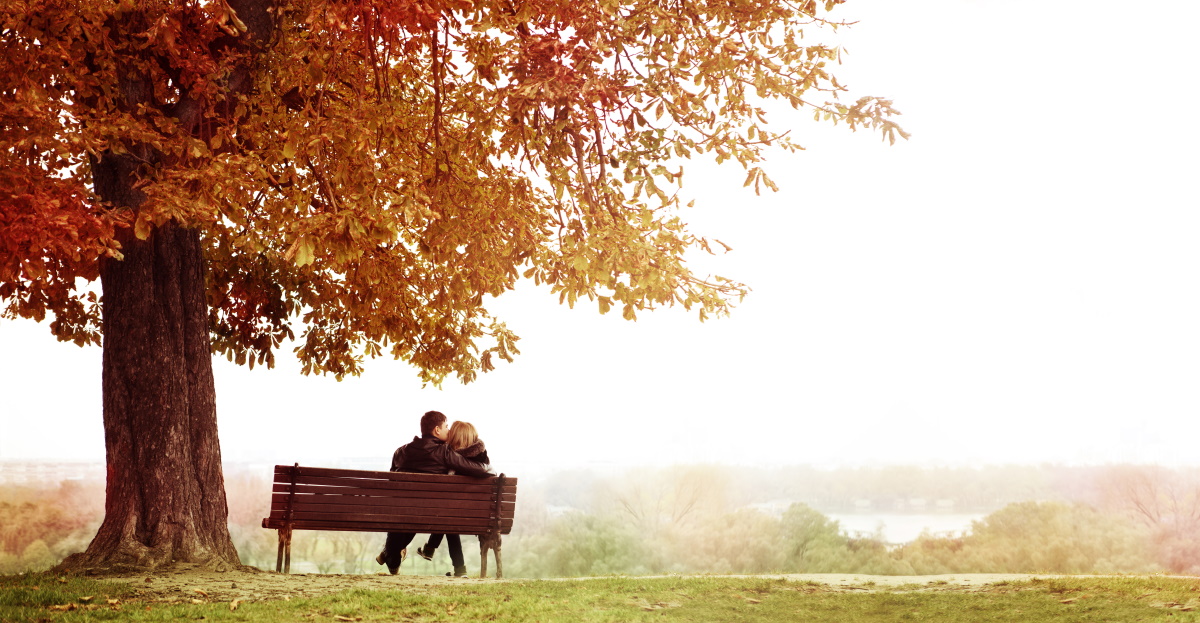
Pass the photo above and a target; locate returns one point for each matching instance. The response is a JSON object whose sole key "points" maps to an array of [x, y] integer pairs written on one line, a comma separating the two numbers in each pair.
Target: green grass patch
{"points": [[1077, 599], [31, 597]]}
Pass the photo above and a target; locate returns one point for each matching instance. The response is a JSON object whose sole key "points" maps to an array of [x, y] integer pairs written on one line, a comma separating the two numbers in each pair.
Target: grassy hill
{"points": [[1116, 599]]}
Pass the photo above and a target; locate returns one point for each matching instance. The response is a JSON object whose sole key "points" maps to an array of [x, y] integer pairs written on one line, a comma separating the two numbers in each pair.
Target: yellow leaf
{"points": [[304, 252], [141, 227]]}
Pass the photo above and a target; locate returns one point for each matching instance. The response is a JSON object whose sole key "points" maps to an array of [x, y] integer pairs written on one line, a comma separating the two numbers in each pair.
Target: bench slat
{"points": [[417, 501], [388, 485], [398, 502], [507, 492], [505, 528], [384, 523], [283, 474], [280, 510], [280, 501], [380, 483], [422, 518]]}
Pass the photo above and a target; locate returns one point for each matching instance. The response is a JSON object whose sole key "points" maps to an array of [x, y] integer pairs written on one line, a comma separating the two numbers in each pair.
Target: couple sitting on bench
{"points": [[440, 449]]}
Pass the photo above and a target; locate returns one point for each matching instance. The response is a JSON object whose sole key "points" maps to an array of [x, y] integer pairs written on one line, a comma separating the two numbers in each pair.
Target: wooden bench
{"points": [[317, 498]]}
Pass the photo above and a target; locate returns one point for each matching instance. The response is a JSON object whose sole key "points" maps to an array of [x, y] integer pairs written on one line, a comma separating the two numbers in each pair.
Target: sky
{"points": [[1015, 284]]}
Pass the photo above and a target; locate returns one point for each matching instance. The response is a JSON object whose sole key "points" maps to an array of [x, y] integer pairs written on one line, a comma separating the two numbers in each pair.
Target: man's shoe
{"points": [[426, 554], [382, 559], [459, 572]]}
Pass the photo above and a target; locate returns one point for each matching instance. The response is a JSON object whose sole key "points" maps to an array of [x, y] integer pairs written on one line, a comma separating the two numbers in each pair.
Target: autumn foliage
{"points": [[377, 168]]}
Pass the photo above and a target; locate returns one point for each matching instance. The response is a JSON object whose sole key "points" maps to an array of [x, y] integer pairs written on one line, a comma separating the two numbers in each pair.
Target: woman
{"points": [[463, 439]]}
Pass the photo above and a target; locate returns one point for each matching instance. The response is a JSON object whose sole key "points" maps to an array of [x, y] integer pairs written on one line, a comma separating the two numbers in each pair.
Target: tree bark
{"points": [[165, 499], [166, 493]]}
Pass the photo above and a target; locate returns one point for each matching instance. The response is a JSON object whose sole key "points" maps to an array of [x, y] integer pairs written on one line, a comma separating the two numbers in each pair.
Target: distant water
{"points": [[903, 528]]}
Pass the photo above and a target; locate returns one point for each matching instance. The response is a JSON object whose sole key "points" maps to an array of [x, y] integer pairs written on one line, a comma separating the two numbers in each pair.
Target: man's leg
{"points": [[393, 549], [431, 545], [454, 543]]}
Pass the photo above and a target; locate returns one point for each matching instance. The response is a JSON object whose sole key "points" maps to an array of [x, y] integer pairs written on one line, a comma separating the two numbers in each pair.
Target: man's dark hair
{"points": [[430, 421]]}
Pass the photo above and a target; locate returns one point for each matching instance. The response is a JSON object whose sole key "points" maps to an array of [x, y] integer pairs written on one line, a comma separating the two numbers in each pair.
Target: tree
{"points": [[1166, 501], [367, 169], [808, 538]]}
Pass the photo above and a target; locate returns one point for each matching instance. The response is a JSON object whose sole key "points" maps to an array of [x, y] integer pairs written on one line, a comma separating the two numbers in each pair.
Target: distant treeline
{"points": [[40, 526], [699, 519], [874, 489], [704, 519]]}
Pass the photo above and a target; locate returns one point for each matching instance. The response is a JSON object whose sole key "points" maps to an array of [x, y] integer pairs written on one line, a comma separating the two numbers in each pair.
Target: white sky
{"points": [[1017, 283]]}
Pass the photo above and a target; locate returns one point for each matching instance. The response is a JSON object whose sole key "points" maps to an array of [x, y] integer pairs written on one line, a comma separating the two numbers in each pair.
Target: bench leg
{"points": [[485, 543], [499, 568], [287, 554], [489, 542], [279, 553], [283, 557]]}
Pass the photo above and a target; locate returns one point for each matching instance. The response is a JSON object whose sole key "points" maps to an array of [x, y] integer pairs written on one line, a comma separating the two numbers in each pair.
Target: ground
{"points": [[185, 583]]}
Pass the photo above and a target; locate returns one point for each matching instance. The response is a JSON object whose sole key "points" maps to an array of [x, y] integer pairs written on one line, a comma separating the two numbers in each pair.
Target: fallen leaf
{"points": [[113, 602], [62, 580], [753, 601], [234, 604], [200, 591], [87, 598], [64, 607], [148, 580], [197, 601], [342, 618], [1068, 601]]}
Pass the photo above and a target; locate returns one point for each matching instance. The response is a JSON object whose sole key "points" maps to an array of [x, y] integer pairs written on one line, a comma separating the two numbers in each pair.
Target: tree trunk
{"points": [[166, 493]]}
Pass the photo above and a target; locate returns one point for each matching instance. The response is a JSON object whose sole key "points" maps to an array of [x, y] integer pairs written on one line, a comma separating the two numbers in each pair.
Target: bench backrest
{"points": [[317, 498]]}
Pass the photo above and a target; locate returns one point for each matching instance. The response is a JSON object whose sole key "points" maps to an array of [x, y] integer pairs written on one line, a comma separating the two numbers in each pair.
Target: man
{"points": [[428, 454]]}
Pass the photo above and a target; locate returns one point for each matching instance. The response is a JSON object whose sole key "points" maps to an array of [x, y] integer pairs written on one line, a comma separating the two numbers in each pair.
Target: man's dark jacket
{"points": [[430, 455]]}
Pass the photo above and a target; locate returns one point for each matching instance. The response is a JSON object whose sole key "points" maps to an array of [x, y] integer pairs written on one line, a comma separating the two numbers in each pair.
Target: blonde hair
{"points": [[461, 435]]}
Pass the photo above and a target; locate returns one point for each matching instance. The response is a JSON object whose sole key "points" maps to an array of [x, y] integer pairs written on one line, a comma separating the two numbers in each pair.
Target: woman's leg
{"points": [[456, 554]]}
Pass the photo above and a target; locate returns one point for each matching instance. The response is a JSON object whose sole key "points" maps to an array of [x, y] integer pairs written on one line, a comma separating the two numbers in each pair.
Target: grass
{"points": [[1085, 600]]}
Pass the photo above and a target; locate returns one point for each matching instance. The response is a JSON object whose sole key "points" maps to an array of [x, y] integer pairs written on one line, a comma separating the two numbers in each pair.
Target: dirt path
{"points": [[186, 584], [183, 584]]}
